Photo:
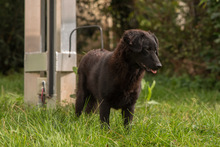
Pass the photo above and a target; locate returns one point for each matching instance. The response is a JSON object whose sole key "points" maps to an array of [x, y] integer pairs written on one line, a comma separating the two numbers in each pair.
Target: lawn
{"points": [[182, 114]]}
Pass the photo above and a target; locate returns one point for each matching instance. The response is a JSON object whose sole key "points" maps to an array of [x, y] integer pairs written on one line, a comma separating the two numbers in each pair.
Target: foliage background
{"points": [[11, 35], [189, 46]]}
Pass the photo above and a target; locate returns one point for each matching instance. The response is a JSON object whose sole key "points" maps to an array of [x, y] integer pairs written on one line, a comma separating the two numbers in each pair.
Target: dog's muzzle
{"points": [[149, 69]]}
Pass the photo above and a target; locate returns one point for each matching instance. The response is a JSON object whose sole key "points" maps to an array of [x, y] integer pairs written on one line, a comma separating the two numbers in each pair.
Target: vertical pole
{"points": [[34, 44], [51, 49], [65, 77]]}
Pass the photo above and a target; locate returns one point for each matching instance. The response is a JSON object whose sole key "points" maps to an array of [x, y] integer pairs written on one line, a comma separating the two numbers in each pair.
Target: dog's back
{"points": [[92, 60]]}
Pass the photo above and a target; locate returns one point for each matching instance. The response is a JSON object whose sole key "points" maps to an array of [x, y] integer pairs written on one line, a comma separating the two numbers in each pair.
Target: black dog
{"points": [[112, 79]]}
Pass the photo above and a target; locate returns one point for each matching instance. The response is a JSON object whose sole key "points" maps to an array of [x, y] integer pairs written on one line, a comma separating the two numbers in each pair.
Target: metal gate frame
{"points": [[48, 24]]}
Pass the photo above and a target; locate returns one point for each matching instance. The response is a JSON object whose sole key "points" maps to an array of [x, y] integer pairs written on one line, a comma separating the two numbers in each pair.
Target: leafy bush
{"points": [[12, 35]]}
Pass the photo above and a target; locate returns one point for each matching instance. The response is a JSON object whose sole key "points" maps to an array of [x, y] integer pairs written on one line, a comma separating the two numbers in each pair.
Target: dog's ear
{"points": [[138, 43], [155, 38], [134, 40]]}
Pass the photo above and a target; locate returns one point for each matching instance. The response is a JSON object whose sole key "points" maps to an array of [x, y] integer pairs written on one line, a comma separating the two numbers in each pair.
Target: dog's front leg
{"points": [[127, 114], [104, 114]]}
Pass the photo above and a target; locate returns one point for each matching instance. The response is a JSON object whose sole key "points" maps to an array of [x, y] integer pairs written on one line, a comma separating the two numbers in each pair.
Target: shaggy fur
{"points": [[113, 79]]}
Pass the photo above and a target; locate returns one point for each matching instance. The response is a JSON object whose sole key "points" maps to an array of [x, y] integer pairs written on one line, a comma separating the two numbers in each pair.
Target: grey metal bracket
{"points": [[35, 62], [84, 27]]}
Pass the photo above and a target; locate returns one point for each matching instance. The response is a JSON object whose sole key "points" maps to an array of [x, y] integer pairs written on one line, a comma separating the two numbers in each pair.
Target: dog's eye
{"points": [[147, 48], [145, 51]]}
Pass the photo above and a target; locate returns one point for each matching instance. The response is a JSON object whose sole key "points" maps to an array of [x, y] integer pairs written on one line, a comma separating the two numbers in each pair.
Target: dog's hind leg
{"points": [[80, 102], [91, 105], [82, 94]]}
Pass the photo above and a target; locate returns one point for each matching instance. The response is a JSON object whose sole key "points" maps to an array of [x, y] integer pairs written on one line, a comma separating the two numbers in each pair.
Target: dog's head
{"points": [[143, 49]]}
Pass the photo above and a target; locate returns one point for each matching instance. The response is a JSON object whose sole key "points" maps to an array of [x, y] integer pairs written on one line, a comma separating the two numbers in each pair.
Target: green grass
{"points": [[185, 116]]}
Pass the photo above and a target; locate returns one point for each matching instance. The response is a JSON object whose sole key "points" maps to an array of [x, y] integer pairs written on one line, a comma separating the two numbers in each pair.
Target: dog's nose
{"points": [[158, 65]]}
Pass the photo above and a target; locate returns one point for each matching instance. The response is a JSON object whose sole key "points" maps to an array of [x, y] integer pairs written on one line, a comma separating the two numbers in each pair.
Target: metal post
{"points": [[35, 57], [58, 78], [64, 23], [51, 70]]}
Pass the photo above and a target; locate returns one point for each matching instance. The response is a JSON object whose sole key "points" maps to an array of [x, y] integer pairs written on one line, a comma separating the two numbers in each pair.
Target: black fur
{"points": [[113, 79]]}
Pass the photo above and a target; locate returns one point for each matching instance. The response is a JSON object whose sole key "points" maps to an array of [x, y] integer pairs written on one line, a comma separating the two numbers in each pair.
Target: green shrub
{"points": [[12, 35]]}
